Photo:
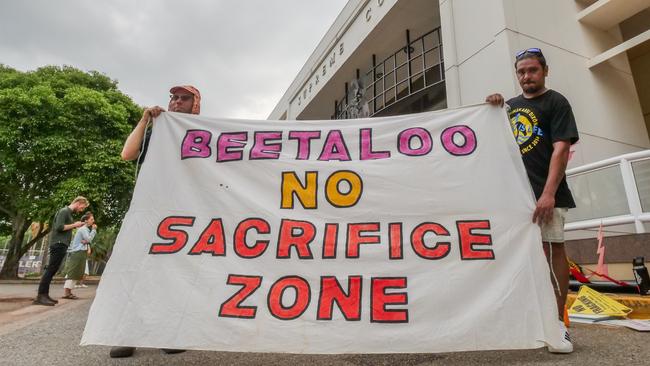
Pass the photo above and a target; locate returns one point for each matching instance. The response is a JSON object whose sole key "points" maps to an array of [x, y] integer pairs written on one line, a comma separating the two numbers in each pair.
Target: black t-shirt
{"points": [[537, 123]]}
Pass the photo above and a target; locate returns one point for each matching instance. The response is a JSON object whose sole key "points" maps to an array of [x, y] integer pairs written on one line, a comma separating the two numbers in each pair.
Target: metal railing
{"points": [[409, 70], [614, 191]]}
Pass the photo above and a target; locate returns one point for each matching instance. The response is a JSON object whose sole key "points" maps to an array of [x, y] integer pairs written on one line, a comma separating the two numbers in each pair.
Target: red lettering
{"points": [[166, 232], [231, 308], [211, 240], [380, 299], [242, 249], [440, 250], [395, 240], [331, 291], [302, 298], [355, 239], [330, 240], [468, 239], [289, 238]]}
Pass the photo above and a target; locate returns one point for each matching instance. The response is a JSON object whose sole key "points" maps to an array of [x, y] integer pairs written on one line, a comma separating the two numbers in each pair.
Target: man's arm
{"points": [[133, 143], [557, 168], [60, 225], [74, 225]]}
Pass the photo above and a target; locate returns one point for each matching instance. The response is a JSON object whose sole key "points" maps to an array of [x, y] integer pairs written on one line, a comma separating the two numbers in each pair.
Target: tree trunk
{"points": [[19, 225], [40, 234]]}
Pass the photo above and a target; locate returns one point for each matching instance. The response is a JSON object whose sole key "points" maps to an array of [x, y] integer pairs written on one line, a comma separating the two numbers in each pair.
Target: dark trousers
{"points": [[57, 254]]}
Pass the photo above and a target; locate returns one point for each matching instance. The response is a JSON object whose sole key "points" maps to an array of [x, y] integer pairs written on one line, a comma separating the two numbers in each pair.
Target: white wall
{"points": [[480, 39], [477, 50]]}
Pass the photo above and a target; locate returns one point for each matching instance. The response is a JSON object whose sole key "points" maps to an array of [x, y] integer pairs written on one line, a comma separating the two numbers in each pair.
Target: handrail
{"points": [[639, 155], [379, 75], [630, 185]]}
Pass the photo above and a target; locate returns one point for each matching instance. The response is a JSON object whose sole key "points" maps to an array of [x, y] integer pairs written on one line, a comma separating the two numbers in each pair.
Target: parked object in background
{"points": [[641, 275]]}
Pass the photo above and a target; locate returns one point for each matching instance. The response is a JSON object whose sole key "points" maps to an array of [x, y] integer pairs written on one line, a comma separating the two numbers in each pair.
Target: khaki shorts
{"points": [[554, 231]]}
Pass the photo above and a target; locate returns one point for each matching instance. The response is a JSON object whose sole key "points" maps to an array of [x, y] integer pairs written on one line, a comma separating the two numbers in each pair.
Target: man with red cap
{"points": [[183, 99]]}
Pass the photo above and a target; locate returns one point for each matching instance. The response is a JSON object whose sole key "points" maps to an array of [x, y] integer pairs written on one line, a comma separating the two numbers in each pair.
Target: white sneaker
{"points": [[84, 285], [565, 346], [77, 286]]}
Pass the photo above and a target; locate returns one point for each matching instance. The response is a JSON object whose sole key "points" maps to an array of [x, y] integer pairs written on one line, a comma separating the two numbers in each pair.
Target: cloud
{"points": [[242, 55]]}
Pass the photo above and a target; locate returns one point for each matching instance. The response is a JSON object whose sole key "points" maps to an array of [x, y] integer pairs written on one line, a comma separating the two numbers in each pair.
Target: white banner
{"points": [[383, 235]]}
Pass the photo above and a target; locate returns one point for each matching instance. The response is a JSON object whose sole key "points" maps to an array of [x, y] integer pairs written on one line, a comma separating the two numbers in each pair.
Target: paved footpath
{"points": [[40, 335]]}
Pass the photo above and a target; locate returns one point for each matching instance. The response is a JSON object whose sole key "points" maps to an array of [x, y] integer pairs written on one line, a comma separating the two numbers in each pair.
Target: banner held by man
{"points": [[397, 234]]}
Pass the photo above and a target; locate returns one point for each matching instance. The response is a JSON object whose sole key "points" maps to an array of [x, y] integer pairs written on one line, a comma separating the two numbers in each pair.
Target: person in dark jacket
{"points": [[60, 238]]}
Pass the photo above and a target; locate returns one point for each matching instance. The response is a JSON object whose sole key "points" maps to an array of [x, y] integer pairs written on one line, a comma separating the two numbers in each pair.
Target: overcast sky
{"points": [[242, 55]]}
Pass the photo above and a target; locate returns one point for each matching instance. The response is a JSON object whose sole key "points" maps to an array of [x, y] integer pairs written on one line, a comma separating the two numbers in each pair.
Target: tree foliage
{"points": [[102, 245], [61, 133]]}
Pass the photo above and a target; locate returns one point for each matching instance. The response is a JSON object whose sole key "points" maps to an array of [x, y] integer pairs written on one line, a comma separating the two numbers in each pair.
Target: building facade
{"points": [[389, 57]]}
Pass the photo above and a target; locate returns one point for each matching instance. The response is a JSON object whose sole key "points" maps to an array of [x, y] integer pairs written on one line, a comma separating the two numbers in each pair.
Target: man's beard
{"points": [[532, 88]]}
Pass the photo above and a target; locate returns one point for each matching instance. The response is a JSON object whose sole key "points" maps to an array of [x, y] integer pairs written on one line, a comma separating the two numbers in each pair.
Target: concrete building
{"points": [[389, 57]]}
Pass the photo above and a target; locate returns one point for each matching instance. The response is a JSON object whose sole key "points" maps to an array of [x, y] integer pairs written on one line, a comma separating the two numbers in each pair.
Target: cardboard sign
{"points": [[591, 303]]}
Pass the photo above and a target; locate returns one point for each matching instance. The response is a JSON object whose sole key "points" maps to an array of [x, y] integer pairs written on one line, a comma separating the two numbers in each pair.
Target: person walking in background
{"points": [[60, 237]]}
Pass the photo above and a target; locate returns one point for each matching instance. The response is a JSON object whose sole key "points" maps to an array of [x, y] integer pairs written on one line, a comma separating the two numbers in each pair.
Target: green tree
{"points": [[61, 133], [102, 245], [4, 241]]}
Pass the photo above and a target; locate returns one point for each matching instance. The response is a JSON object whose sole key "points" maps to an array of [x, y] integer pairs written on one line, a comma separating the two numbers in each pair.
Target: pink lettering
{"points": [[406, 137], [467, 147], [196, 144], [228, 142], [366, 147], [304, 140], [334, 148], [262, 150]]}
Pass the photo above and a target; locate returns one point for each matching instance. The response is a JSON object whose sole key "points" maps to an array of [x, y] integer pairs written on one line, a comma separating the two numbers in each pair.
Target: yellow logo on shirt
{"points": [[525, 128]]}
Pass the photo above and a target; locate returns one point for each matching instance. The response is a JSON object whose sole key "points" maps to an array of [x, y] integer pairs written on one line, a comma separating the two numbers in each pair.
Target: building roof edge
{"points": [[342, 22]]}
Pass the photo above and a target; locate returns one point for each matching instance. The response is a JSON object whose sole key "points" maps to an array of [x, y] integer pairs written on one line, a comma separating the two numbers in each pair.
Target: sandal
{"points": [[70, 297]]}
